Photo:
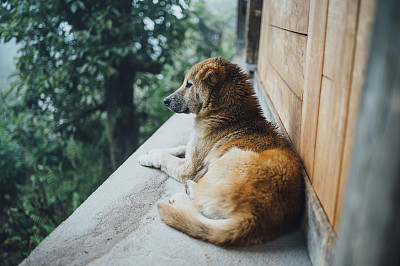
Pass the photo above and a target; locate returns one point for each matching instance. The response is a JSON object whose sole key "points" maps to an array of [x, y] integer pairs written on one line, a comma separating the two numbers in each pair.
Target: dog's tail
{"points": [[237, 230]]}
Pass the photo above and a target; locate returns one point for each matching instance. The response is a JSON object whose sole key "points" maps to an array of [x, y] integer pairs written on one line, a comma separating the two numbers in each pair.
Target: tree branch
{"points": [[79, 115]]}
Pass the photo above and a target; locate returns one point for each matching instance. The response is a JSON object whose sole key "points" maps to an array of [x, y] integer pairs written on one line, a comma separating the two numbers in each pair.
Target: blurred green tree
{"points": [[44, 176], [79, 57]]}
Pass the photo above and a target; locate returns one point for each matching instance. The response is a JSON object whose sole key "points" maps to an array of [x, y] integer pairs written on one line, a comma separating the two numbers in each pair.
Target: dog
{"points": [[243, 180]]}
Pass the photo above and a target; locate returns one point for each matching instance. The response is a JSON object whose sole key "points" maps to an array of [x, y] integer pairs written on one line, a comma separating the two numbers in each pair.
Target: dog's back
{"points": [[253, 189]]}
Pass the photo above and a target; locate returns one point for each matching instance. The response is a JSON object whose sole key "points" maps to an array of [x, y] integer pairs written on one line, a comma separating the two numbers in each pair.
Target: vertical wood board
{"points": [[363, 39], [310, 82], [333, 111], [253, 31], [334, 32], [343, 73], [291, 15], [286, 104], [312, 86], [241, 20], [327, 151], [287, 53], [263, 54]]}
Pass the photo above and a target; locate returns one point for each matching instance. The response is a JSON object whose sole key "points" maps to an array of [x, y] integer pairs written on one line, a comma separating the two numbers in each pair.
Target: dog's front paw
{"points": [[150, 160], [190, 188], [180, 198]]}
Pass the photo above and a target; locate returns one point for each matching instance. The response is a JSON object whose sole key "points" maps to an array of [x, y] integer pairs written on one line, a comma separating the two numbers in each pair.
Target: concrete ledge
{"points": [[119, 223]]}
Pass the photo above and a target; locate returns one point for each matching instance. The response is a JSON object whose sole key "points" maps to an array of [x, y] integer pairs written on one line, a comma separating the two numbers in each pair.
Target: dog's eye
{"points": [[188, 84]]}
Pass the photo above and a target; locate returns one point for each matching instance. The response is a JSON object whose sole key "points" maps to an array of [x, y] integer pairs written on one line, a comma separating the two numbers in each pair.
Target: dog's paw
{"points": [[190, 188], [149, 160], [180, 198]]}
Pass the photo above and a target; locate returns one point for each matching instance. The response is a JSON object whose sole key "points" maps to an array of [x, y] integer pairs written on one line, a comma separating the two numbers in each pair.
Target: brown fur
{"points": [[250, 187]]}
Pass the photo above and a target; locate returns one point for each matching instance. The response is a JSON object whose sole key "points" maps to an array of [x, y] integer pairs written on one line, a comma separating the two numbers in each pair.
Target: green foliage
{"points": [[44, 177], [53, 154], [71, 48]]}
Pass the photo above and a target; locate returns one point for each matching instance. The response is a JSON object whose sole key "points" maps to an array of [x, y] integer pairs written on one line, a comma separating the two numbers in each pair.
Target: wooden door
{"points": [[312, 58]]}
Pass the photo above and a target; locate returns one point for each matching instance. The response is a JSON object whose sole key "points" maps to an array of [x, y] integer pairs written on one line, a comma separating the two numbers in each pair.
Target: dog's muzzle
{"points": [[175, 105]]}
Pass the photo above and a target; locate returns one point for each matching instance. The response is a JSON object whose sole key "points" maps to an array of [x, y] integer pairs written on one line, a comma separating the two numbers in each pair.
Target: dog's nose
{"points": [[167, 101]]}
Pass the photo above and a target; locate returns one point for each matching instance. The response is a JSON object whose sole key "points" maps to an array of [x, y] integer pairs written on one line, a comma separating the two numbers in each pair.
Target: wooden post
{"points": [[241, 25], [370, 226], [254, 8]]}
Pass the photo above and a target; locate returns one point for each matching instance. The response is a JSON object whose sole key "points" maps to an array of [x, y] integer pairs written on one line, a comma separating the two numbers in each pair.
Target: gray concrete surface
{"points": [[119, 224]]}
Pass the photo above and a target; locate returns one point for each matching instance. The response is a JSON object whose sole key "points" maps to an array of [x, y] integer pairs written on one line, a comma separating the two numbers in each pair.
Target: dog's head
{"points": [[202, 80]]}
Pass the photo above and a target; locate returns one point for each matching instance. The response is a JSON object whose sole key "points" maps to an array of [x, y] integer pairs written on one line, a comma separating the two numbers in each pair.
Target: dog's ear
{"points": [[211, 74]]}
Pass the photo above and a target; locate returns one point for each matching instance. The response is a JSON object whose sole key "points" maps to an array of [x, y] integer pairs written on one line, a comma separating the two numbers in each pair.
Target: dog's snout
{"points": [[167, 101]]}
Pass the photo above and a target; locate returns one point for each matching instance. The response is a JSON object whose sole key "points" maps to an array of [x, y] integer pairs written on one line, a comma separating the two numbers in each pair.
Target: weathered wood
{"points": [[336, 24], [364, 31], [287, 53], [285, 102], [369, 231], [253, 30], [290, 15], [312, 85], [333, 30], [333, 110], [328, 148]]}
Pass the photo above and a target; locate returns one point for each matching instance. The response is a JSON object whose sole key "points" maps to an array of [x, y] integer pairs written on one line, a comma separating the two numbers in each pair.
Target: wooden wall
{"points": [[312, 59]]}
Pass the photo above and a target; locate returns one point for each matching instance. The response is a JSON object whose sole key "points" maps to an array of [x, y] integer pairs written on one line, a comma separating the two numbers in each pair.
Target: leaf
{"points": [[109, 24], [74, 7], [116, 12], [83, 68], [81, 4]]}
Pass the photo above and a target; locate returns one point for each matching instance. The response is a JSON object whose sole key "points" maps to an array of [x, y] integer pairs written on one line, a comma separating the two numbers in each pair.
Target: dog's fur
{"points": [[249, 182]]}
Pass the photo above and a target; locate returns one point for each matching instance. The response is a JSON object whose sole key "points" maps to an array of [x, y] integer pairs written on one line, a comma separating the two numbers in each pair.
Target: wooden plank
{"points": [[343, 72], [364, 30], [287, 53], [332, 33], [290, 14], [286, 104], [241, 20], [263, 55], [312, 85], [333, 112], [253, 31], [334, 29], [329, 137]]}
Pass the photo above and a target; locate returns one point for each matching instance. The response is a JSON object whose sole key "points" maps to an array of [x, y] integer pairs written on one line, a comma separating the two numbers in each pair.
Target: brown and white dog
{"points": [[249, 181]]}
